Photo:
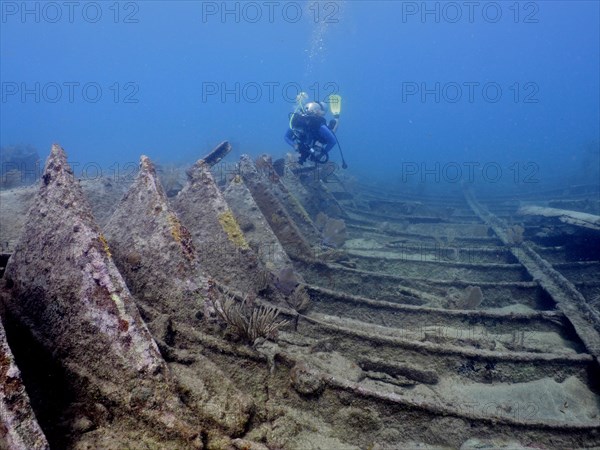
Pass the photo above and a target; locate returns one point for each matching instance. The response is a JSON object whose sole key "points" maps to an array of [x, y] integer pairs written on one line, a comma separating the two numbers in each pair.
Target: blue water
{"points": [[506, 85]]}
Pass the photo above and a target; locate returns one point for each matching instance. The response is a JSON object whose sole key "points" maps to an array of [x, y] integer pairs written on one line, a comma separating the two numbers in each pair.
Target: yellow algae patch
{"points": [[182, 236], [120, 305], [231, 227], [175, 227], [105, 246]]}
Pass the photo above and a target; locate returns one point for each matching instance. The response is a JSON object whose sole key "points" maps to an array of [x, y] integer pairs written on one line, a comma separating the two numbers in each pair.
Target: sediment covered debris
{"points": [[15, 204], [19, 166]]}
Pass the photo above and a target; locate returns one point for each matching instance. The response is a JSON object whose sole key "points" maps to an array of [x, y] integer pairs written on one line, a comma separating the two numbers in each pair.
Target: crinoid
{"points": [[246, 320], [298, 300]]}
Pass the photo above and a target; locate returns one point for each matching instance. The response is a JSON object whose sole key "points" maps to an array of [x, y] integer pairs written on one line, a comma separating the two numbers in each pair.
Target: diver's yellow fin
{"points": [[335, 104]]}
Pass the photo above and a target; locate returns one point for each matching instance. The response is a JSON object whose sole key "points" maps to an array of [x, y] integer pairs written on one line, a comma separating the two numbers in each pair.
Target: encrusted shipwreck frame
{"points": [[282, 310]]}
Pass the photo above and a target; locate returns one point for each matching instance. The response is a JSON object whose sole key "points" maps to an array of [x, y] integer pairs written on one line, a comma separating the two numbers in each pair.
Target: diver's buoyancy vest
{"points": [[306, 126]]}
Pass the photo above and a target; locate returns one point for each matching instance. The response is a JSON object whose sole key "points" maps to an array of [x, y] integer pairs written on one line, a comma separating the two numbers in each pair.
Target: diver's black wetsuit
{"points": [[306, 130]]}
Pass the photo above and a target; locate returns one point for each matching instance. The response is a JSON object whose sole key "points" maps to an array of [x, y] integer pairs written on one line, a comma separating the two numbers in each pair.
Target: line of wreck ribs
{"points": [[371, 354], [584, 318]]}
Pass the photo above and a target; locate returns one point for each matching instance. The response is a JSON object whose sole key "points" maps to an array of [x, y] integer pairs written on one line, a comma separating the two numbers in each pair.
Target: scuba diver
{"points": [[309, 133]]}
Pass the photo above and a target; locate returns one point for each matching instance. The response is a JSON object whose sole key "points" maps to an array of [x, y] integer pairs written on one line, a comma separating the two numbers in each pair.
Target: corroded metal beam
{"points": [[576, 218]]}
